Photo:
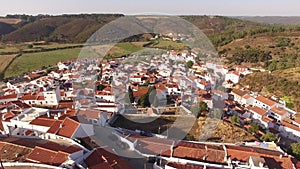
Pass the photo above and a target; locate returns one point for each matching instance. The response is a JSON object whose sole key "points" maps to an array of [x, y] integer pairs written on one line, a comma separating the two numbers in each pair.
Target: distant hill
{"points": [[64, 28], [78, 28], [284, 20], [6, 28]]}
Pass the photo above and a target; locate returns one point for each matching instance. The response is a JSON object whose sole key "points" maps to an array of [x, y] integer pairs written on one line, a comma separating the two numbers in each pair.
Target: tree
{"points": [[253, 128], [29, 46], [189, 137], [144, 100], [100, 87], [130, 94], [189, 63], [268, 137], [199, 108], [295, 149], [235, 119]]}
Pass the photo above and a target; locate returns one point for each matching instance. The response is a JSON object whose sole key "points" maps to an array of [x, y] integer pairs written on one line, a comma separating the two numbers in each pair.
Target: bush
{"points": [[250, 55], [189, 64], [199, 108], [254, 128], [29, 46], [235, 119], [282, 42], [268, 137], [295, 149]]}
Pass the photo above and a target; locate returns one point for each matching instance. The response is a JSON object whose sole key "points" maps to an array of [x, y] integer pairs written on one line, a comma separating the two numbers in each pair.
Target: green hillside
{"points": [[65, 28]]}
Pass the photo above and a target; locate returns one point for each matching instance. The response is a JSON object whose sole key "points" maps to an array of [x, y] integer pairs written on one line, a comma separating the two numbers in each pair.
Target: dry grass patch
{"points": [[5, 60]]}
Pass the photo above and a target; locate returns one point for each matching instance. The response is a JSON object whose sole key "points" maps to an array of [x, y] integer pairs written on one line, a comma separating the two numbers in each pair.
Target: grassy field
{"points": [[166, 44], [32, 61], [15, 48], [125, 48], [4, 61]]}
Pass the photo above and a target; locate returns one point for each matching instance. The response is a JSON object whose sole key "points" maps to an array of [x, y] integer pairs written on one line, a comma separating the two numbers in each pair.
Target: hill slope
{"points": [[77, 28], [281, 83], [6, 28], [65, 28], [284, 20]]}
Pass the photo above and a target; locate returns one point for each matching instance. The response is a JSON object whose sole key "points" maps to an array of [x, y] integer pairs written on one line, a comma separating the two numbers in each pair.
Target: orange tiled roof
{"points": [[1, 126], [90, 113], [54, 127], [271, 157], [186, 166], [104, 159], [239, 92], [247, 96], [160, 87], [47, 122], [258, 110], [46, 156], [66, 104], [289, 125], [29, 96], [140, 92], [278, 110], [265, 100], [11, 96], [69, 127], [9, 115]]}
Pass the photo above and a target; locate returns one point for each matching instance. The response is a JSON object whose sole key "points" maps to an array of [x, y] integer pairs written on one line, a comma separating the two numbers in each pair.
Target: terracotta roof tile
{"points": [[68, 128], [247, 96], [289, 125], [239, 92], [29, 97], [47, 122], [188, 166], [21, 104], [46, 156], [265, 100], [11, 96], [1, 126], [101, 158], [8, 115], [160, 87], [54, 127], [278, 110], [258, 110], [272, 158], [140, 92], [90, 113]]}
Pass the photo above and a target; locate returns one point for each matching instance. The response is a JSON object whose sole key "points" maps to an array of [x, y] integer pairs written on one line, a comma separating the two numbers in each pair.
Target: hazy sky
{"points": [[197, 7]]}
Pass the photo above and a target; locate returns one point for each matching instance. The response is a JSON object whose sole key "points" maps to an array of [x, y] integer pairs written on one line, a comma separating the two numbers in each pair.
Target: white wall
{"points": [[84, 130]]}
